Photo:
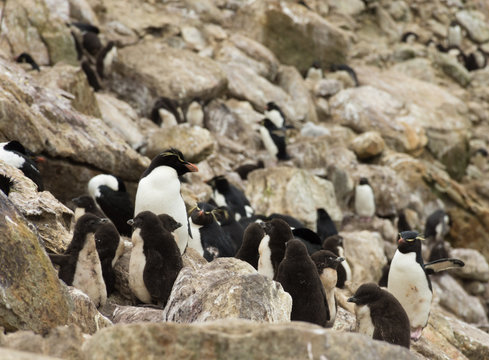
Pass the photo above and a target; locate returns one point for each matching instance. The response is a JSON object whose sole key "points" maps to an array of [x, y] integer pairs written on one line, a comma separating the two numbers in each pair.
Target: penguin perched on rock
{"points": [[80, 266], [252, 237], [159, 191], [226, 194], [409, 282], [28, 59], [335, 245], [275, 114], [111, 196], [155, 259], [380, 315], [16, 155], [166, 112], [364, 199], [348, 69], [298, 275], [326, 265], [274, 139], [208, 238], [272, 246]]}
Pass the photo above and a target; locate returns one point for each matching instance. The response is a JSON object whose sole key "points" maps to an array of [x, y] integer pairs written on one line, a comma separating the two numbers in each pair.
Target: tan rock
{"points": [[368, 144], [8, 354], [476, 266]]}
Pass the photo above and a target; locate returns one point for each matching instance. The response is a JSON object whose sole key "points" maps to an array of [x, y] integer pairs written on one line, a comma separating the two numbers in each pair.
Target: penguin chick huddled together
{"points": [[409, 282], [81, 266], [226, 194], [16, 155], [111, 196], [159, 191], [155, 258], [298, 275], [326, 264], [380, 315], [272, 247]]}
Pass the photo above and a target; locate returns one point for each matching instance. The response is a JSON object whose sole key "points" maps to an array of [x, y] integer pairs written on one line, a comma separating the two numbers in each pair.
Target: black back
{"points": [[325, 226], [292, 221], [278, 137], [348, 69], [245, 169], [118, 207], [27, 58], [231, 227], [309, 238], [409, 34], [236, 200], [91, 43], [167, 104], [252, 237], [86, 27]]}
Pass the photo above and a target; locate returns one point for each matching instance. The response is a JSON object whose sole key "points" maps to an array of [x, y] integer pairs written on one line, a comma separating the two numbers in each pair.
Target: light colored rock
{"points": [[8, 354], [226, 288], [84, 313], [294, 34], [83, 12], [32, 296], [348, 7], [451, 67], [475, 23], [144, 72], [382, 226], [236, 339], [476, 266], [291, 191], [364, 251], [327, 87], [133, 314], [368, 144]]}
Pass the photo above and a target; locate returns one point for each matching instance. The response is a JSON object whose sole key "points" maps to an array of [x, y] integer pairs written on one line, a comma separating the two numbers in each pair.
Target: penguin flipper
{"points": [[442, 264]]}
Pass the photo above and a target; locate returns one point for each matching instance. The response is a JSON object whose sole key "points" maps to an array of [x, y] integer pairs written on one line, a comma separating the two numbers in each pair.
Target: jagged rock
{"points": [[364, 251], [327, 87], [382, 226], [476, 266], [368, 144], [83, 12], [133, 314], [122, 118], [226, 288], [452, 68], [63, 342], [236, 339], [348, 7], [73, 80], [293, 192], [32, 296], [47, 123], [294, 34], [8, 354], [84, 314], [194, 142], [144, 72], [31, 27], [475, 23], [453, 297], [345, 321]]}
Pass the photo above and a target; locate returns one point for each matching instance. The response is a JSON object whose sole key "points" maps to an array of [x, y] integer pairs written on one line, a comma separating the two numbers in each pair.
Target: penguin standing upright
{"points": [[275, 114], [326, 265], [80, 266], [273, 138], [408, 279], [380, 315], [272, 246], [437, 226], [252, 236], [226, 194], [454, 35], [155, 260], [159, 191], [111, 196], [16, 155], [298, 276], [195, 113], [364, 199], [335, 245]]}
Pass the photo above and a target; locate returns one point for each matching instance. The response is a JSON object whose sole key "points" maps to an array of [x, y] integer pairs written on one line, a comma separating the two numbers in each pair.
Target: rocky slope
{"points": [[412, 126]]}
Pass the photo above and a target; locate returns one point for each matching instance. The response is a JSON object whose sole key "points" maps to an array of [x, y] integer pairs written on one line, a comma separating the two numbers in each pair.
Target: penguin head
{"points": [[144, 217], [16, 146], [272, 106], [168, 222], [363, 181], [173, 158], [202, 214], [409, 241], [332, 243], [84, 202], [89, 223], [366, 294], [218, 182], [223, 215], [326, 259], [295, 249], [277, 227]]}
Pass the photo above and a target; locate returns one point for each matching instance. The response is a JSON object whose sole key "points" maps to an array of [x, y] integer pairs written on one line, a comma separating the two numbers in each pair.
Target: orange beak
{"points": [[191, 167]]}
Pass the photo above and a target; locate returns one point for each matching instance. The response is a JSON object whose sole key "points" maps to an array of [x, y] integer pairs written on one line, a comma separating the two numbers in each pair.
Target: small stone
{"points": [[368, 145]]}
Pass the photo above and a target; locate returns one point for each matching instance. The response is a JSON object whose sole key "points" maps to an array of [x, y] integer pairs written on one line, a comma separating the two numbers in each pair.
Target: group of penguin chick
{"points": [[309, 265]]}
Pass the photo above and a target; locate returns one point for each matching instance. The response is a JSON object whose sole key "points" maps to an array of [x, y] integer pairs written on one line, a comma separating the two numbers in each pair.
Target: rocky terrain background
{"points": [[412, 127]]}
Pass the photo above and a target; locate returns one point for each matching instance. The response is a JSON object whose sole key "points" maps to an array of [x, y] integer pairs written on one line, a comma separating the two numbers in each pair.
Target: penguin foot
{"points": [[416, 334]]}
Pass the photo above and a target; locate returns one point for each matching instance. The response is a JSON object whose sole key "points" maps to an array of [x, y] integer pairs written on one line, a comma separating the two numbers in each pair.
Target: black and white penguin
{"points": [[195, 113], [454, 34], [16, 155], [105, 58], [275, 114], [274, 139], [245, 169], [437, 225], [408, 279], [166, 112], [309, 238], [476, 60], [272, 247], [325, 226], [155, 260], [225, 217], [348, 69], [110, 193], [298, 276], [28, 59], [208, 238], [91, 75], [326, 265], [364, 199], [380, 315], [159, 191], [6, 184], [226, 194], [335, 245], [252, 237], [315, 72], [80, 266], [409, 37]]}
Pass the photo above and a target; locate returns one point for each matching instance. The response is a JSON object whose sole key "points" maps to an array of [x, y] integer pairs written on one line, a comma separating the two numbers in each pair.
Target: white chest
{"points": [[195, 242], [268, 142], [275, 117], [364, 320], [88, 273], [345, 263], [219, 198], [265, 266], [137, 263], [11, 158], [364, 201]]}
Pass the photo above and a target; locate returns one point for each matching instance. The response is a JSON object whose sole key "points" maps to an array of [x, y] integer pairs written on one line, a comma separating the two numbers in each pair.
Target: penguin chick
{"points": [[155, 260], [380, 315], [298, 276], [226, 194], [80, 266], [364, 199], [159, 191], [16, 155], [335, 245], [86, 204], [27, 58], [326, 264], [252, 236], [272, 247], [110, 193]]}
